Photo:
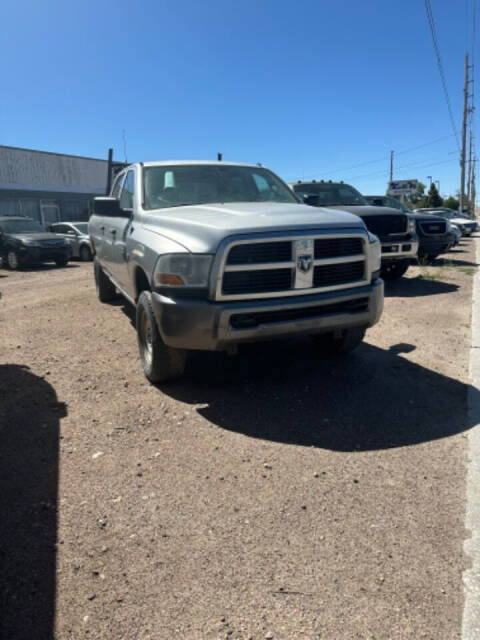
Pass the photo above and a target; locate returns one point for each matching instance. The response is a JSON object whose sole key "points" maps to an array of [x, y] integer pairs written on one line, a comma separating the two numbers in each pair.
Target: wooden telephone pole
{"points": [[464, 137]]}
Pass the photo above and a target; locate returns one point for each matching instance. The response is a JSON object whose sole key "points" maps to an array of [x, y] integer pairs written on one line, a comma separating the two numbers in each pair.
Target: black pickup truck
{"points": [[396, 231], [24, 241]]}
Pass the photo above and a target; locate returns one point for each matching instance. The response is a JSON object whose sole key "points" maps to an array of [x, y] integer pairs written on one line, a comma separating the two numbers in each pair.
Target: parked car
{"points": [[24, 241], [388, 201], [214, 254], [395, 230], [76, 234], [466, 217], [456, 233], [435, 235], [466, 225]]}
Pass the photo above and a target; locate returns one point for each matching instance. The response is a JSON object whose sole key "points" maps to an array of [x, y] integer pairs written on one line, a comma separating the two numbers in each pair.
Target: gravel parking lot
{"points": [[275, 494]]}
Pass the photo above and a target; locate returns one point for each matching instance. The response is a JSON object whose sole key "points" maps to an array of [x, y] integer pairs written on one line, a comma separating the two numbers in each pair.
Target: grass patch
{"points": [[429, 275], [470, 271]]}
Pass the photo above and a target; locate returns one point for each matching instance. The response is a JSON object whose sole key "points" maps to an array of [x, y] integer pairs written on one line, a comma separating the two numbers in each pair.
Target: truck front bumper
{"points": [[403, 249], [214, 326]]}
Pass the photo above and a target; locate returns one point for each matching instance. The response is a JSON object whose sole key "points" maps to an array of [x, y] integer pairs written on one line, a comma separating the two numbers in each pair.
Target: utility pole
{"points": [[429, 178], [464, 138], [469, 178], [473, 194], [437, 182], [391, 166]]}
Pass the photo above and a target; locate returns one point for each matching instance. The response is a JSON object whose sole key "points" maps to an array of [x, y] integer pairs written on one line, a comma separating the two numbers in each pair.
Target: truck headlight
{"points": [[375, 247], [182, 270], [412, 225]]}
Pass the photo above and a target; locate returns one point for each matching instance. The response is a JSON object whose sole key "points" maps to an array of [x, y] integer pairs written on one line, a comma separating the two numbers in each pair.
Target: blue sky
{"points": [[311, 89]]}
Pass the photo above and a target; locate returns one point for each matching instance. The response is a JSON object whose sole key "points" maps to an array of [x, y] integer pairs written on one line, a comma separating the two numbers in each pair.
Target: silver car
{"points": [[76, 233]]}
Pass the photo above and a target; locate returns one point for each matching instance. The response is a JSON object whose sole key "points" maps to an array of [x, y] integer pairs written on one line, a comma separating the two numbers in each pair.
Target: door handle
{"points": [[102, 228], [113, 231]]}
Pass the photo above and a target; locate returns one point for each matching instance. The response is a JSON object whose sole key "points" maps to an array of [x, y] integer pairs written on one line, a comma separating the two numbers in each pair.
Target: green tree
{"points": [[417, 197], [434, 199], [451, 203]]}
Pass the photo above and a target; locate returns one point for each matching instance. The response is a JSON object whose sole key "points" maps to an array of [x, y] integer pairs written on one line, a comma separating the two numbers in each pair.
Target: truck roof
{"points": [[199, 162]]}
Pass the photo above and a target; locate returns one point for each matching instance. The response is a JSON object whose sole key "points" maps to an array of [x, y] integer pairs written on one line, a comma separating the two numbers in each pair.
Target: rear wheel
{"points": [[12, 260], [160, 362], [394, 270], [105, 289], [85, 253], [340, 341]]}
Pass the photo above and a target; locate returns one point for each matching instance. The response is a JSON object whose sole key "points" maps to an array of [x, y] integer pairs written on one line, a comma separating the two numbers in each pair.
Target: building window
{"points": [[9, 208], [75, 210], [30, 209]]}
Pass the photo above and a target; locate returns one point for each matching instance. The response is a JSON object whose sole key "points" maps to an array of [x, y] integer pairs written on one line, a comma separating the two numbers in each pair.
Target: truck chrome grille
{"points": [[385, 225], [298, 265]]}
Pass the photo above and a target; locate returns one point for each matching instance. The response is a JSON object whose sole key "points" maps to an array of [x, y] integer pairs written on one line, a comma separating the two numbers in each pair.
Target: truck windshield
{"points": [[330, 194], [181, 185], [21, 226]]}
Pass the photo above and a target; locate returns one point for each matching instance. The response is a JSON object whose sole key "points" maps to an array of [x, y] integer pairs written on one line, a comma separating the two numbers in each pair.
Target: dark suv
{"points": [[394, 228], [24, 241]]}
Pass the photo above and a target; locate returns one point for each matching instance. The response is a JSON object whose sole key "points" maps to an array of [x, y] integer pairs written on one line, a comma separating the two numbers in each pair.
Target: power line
{"points": [[382, 159], [404, 166], [433, 30]]}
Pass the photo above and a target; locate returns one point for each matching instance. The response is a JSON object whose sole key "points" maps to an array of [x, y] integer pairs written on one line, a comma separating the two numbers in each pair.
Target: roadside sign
{"points": [[402, 187]]}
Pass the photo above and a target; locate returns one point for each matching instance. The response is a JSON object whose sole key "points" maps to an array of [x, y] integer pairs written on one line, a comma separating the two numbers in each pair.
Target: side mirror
{"points": [[311, 199], [110, 207]]}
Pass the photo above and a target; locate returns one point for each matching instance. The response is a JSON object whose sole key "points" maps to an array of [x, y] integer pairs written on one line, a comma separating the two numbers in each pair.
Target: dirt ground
{"points": [[275, 494]]}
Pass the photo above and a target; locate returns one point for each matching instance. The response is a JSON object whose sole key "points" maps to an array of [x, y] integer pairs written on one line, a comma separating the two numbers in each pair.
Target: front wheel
{"points": [[160, 362], [341, 340], [12, 260], [394, 270], [85, 253]]}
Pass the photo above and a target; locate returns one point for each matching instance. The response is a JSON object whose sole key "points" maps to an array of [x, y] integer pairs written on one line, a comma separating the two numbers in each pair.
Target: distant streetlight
{"points": [[429, 178], [437, 182]]}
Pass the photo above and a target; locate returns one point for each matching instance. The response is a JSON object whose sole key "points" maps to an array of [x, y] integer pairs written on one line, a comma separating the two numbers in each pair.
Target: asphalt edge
{"points": [[471, 576]]}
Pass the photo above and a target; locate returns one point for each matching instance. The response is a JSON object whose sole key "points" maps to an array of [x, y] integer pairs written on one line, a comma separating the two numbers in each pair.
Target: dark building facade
{"points": [[49, 187]]}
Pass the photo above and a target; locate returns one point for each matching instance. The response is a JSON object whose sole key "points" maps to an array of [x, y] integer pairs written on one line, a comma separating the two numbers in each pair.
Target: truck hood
{"points": [[200, 228], [368, 210]]}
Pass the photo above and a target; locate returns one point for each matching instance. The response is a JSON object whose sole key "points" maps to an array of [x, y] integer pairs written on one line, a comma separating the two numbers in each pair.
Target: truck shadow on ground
{"points": [[445, 261], [285, 392], [29, 447], [417, 287]]}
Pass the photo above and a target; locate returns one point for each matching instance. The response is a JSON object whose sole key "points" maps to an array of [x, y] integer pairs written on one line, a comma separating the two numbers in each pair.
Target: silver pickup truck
{"points": [[214, 254]]}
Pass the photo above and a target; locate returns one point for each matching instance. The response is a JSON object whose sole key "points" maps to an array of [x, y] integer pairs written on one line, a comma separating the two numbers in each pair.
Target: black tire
{"points": [[11, 260], [85, 253], [105, 289], [160, 362], [61, 262], [341, 341], [394, 270], [428, 258]]}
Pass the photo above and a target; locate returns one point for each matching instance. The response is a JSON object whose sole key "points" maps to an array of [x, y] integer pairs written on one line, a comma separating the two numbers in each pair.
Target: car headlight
{"points": [[375, 254], [182, 270], [32, 244]]}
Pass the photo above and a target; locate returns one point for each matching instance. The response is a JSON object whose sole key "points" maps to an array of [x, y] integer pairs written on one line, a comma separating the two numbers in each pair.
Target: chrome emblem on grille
{"points": [[304, 256], [304, 263]]}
